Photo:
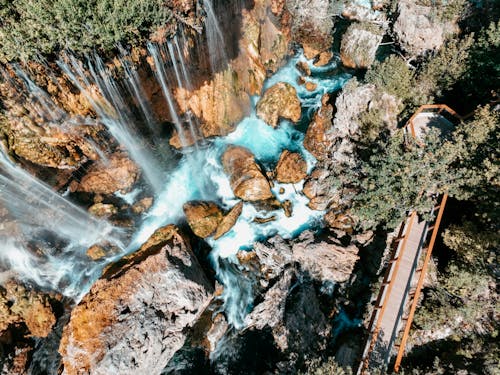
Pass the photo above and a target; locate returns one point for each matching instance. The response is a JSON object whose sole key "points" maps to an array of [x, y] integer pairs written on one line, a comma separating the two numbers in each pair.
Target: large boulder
{"points": [[246, 178], [229, 220], [202, 217], [134, 318], [419, 28], [291, 168], [323, 260], [279, 101], [359, 45], [317, 140], [119, 173]]}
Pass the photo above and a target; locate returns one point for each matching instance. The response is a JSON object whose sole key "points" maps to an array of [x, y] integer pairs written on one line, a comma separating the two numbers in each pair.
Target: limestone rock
{"points": [[291, 168], [119, 174], [317, 140], [325, 261], [359, 45], [19, 305], [418, 29], [246, 178], [279, 101], [370, 11], [134, 318], [229, 220], [320, 188], [202, 217]]}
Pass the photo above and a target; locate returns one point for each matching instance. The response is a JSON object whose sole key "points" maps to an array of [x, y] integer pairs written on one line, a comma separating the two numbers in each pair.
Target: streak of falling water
{"points": [[114, 114], [215, 39], [46, 218], [161, 76]]}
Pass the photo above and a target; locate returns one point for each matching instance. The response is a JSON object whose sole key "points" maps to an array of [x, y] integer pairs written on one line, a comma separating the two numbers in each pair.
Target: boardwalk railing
{"points": [[409, 298]]}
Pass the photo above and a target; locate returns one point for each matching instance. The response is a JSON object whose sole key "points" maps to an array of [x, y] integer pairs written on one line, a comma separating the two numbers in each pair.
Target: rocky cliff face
{"points": [[133, 319]]}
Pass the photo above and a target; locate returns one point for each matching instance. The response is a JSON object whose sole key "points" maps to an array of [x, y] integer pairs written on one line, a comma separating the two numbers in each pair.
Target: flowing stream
{"points": [[197, 175]]}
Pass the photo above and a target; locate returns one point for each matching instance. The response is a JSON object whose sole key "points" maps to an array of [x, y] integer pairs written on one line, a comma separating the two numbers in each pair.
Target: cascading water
{"points": [[114, 114], [215, 39], [59, 231]]}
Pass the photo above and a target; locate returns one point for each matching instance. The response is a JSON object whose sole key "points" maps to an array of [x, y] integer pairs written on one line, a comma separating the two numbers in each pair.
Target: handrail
{"points": [[422, 108], [420, 283], [392, 272]]}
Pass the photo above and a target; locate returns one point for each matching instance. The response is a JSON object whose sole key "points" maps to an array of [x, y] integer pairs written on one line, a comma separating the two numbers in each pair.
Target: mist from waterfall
{"points": [[58, 232], [215, 39], [113, 111]]}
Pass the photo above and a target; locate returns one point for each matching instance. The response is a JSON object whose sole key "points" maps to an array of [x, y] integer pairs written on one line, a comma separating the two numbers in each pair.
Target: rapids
{"points": [[42, 213]]}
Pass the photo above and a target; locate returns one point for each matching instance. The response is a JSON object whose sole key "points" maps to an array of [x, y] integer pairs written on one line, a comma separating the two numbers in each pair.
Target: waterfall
{"points": [[215, 39], [60, 231], [114, 113]]}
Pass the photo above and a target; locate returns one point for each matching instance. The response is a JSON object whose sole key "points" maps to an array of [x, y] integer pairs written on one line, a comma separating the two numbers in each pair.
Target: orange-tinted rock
{"points": [[359, 45], [96, 252], [134, 318], [229, 220], [103, 210], [311, 86], [279, 101], [320, 188], [304, 68], [291, 168], [323, 58], [316, 140], [21, 306], [202, 217], [339, 220], [142, 206], [119, 174], [247, 180]]}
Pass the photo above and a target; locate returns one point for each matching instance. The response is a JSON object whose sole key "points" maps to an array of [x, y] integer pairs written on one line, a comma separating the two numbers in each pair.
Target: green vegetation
{"points": [[327, 367], [401, 175], [30, 27]]}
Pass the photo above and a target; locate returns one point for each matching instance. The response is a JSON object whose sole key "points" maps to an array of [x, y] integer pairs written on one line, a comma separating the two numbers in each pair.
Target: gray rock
{"points": [[359, 45]]}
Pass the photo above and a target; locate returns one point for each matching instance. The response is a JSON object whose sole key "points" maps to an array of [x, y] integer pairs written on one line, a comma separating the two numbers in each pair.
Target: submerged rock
{"points": [[202, 217], [134, 318], [119, 173], [359, 45], [291, 168], [246, 178], [279, 101], [229, 220]]}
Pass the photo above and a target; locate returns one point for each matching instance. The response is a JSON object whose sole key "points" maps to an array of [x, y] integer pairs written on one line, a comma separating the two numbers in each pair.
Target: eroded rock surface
{"points": [[229, 220], [133, 319], [247, 180], [317, 140], [279, 101], [202, 217], [359, 45], [291, 168]]}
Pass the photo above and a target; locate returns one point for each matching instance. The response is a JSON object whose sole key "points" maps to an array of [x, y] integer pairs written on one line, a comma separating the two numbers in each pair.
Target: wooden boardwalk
{"points": [[399, 293]]}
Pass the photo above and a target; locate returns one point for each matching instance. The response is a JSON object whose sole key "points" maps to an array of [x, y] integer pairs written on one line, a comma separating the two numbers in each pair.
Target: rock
{"points": [[303, 67], [359, 45], [311, 86], [246, 178], [321, 189], [134, 318], [325, 261], [118, 174], [96, 252], [219, 104], [216, 332], [313, 32], [340, 221], [418, 28], [263, 220], [291, 168], [17, 362], [188, 138], [272, 256], [362, 12], [271, 312], [279, 101], [142, 206], [317, 140], [103, 210], [288, 208], [229, 220], [323, 58], [202, 217]]}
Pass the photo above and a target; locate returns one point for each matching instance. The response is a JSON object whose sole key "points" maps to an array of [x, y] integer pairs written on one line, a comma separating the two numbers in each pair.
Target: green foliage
{"points": [[401, 176], [393, 76], [29, 27], [328, 367], [481, 81], [445, 10]]}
